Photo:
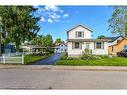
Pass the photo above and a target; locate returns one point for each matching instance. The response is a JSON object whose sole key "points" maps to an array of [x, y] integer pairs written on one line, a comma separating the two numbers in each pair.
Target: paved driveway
{"points": [[36, 77], [48, 61]]}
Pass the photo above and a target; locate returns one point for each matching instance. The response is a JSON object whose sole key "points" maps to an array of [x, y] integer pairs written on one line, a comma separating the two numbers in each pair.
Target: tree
{"points": [[18, 24], [48, 43], [58, 40], [101, 37], [118, 21]]}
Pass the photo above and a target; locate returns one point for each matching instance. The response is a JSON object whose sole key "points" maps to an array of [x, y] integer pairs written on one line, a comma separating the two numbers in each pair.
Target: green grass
{"points": [[115, 61], [32, 58]]}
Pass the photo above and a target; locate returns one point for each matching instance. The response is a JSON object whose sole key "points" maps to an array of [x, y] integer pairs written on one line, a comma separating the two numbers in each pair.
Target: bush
{"points": [[70, 58], [89, 57]]}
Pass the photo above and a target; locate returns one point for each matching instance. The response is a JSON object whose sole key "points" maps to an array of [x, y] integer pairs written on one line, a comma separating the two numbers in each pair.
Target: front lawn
{"points": [[115, 61], [32, 58]]}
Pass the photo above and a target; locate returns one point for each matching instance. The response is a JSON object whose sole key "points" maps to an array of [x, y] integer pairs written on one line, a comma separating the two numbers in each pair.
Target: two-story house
{"points": [[80, 38]]}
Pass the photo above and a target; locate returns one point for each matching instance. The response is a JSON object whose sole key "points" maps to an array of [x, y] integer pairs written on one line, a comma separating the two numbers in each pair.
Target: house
{"points": [[114, 40], [79, 38], [8, 48], [60, 47], [118, 46]]}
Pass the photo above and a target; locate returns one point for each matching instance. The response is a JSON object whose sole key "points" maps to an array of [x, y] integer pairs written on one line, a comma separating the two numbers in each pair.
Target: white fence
{"points": [[17, 54], [12, 59]]}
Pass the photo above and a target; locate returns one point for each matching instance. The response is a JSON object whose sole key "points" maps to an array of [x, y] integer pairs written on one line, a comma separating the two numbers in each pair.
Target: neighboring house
{"points": [[8, 48], [117, 47], [60, 47], [79, 38], [113, 40]]}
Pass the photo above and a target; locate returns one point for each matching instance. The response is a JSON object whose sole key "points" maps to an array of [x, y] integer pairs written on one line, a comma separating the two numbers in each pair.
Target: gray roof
{"points": [[112, 39], [80, 25], [89, 40]]}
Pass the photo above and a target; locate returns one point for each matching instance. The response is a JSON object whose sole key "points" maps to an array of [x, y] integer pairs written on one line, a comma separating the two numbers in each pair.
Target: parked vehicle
{"points": [[123, 53]]}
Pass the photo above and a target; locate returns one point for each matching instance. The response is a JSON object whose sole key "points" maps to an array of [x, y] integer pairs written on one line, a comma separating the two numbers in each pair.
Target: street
{"points": [[46, 78]]}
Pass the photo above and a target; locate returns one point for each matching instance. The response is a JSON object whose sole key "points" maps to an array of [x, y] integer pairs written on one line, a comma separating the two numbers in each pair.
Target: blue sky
{"points": [[56, 20]]}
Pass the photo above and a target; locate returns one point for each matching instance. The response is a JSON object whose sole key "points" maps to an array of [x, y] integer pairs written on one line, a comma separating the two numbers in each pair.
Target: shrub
{"points": [[90, 57], [70, 58]]}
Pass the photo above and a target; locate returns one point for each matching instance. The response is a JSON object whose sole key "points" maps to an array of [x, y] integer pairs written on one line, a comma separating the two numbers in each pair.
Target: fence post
{"points": [[22, 58], [3, 58]]}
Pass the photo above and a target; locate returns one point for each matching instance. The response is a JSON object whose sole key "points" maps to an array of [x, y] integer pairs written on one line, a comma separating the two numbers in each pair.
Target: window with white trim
{"points": [[79, 34]]}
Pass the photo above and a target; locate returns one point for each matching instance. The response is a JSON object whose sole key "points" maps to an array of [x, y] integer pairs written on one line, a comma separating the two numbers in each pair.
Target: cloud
{"points": [[51, 13], [42, 19], [51, 8], [50, 20], [65, 15]]}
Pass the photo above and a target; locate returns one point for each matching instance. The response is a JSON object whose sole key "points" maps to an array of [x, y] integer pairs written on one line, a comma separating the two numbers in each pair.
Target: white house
{"points": [[60, 47], [79, 38]]}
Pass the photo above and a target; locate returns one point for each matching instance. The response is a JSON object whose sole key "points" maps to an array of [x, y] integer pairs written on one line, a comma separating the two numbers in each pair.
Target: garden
{"points": [[92, 60]]}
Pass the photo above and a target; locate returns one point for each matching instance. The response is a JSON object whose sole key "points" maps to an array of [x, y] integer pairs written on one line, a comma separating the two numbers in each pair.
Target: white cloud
{"points": [[50, 20], [51, 14], [42, 19], [65, 15], [51, 8]]}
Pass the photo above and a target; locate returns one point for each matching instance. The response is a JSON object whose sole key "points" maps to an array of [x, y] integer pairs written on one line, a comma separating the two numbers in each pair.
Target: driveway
{"points": [[42, 77], [48, 61]]}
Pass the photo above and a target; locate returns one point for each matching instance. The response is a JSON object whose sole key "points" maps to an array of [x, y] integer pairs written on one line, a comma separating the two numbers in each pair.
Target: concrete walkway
{"points": [[51, 67]]}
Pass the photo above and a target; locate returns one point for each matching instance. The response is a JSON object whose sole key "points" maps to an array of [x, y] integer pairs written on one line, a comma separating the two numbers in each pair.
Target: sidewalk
{"points": [[51, 67]]}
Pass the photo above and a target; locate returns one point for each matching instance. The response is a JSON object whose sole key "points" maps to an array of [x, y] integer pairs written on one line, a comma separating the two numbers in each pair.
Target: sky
{"points": [[56, 20]]}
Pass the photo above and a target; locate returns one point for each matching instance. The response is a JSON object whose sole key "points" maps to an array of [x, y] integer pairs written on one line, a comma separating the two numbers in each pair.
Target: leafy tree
{"points": [[101, 37], [18, 24], [58, 40], [48, 42], [118, 21]]}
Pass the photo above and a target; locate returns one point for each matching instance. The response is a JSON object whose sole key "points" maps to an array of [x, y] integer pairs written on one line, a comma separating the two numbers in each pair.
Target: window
{"points": [[125, 47], [76, 45], [79, 34], [98, 45], [87, 45]]}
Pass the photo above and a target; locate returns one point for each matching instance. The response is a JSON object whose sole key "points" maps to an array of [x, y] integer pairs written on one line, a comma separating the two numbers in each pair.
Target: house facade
{"points": [[60, 47], [80, 38], [118, 46]]}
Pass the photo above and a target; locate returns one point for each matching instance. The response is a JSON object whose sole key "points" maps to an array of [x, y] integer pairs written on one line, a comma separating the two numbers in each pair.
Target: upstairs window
{"points": [[79, 34]]}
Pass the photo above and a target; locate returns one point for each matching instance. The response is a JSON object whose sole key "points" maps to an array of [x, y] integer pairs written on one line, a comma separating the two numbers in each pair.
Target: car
{"points": [[123, 53]]}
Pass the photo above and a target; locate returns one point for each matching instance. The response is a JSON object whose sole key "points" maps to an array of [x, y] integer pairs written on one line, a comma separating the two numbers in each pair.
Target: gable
{"points": [[80, 25], [86, 33]]}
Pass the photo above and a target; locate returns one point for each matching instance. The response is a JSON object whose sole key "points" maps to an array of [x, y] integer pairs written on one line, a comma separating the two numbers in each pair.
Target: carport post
{"points": [[23, 58]]}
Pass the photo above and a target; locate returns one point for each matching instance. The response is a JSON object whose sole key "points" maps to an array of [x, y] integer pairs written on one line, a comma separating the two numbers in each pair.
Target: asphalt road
{"points": [[34, 78], [48, 61]]}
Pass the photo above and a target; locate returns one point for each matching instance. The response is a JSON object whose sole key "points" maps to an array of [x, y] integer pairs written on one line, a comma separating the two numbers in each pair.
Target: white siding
{"points": [[87, 33], [76, 52], [61, 48]]}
